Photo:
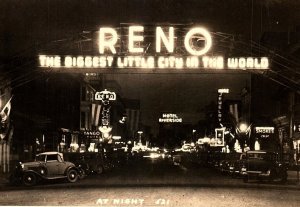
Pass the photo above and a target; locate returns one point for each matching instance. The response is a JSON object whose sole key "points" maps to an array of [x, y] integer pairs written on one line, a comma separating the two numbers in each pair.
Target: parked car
{"points": [[90, 162], [263, 165], [227, 164], [177, 157], [47, 166], [236, 165], [214, 159]]}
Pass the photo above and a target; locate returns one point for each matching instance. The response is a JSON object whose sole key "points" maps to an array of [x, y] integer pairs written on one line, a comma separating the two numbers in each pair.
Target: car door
{"points": [[52, 165], [61, 165]]}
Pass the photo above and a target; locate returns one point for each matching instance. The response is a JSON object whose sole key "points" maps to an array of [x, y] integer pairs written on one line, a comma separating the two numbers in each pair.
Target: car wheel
{"points": [[272, 176], [81, 173], [29, 179], [99, 169], [72, 175]]}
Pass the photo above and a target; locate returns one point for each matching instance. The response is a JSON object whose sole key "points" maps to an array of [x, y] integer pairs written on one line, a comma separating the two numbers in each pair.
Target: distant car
{"points": [[227, 164], [236, 165], [156, 154], [263, 165], [47, 166], [214, 159], [177, 157]]}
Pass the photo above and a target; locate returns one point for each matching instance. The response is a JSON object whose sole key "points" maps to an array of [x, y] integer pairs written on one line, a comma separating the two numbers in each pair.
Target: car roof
{"points": [[50, 153], [260, 151]]}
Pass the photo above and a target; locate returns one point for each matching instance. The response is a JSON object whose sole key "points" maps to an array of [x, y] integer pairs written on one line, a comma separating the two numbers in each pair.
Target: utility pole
{"points": [[292, 103], [292, 110]]}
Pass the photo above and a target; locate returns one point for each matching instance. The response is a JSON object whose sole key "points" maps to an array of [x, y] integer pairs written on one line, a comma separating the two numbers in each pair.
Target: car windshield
{"points": [[40, 158]]}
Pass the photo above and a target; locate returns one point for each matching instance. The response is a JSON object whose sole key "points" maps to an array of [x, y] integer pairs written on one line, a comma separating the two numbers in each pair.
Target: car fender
{"points": [[34, 172], [69, 168]]}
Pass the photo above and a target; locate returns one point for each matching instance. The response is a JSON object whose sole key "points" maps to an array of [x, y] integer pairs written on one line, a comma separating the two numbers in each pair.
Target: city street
{"points": [[155, 184], [150, 103]]}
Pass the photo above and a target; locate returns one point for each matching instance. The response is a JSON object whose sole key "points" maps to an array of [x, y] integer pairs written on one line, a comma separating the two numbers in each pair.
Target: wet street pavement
{"points": [[155, 183]]}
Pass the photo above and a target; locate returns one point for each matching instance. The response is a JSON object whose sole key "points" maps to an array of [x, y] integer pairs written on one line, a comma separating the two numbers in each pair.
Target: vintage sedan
{"points": [[230, 162], [263, 165], [89, 162], [47, 166]]}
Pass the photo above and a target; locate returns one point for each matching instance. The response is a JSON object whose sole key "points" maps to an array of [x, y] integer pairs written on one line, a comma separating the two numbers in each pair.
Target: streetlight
{"points": [[140, 136], [243, 130], [194, 131]]}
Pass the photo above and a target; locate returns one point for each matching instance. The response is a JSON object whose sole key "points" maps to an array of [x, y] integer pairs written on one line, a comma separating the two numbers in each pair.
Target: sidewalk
{"points": [[4, 178]]}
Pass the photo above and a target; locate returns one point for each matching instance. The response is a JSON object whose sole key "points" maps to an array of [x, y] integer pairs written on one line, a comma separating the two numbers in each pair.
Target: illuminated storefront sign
{"points": [[219, 137], [91, 134], [105, 95], [221, 91], [264, 132], [170, 118], [194, 45]]}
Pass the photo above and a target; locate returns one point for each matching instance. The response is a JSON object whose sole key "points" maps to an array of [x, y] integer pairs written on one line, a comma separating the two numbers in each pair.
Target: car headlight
{"points": [[22, 166]]}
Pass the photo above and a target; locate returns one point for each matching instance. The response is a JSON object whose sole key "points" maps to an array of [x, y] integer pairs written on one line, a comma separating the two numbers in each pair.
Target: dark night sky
{"points": [[30, 22], [185, 95], [25, 24]]}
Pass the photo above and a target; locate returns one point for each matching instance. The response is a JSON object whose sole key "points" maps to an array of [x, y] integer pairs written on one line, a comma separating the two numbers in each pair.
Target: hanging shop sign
{"points": [[105, 95], [166, 47], [219, 137]]}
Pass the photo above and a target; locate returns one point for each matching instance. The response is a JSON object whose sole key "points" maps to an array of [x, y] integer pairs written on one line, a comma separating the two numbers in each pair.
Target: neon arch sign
{"points": [[108, 38], [172, 48]]}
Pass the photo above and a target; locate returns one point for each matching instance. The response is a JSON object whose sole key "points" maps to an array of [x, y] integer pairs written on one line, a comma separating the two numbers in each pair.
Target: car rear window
{"points": [[51, 157]]}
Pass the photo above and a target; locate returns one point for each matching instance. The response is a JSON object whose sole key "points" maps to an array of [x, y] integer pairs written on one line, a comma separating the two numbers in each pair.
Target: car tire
{"points": [[29, 179], [72, 175], [272, 176], [99, 169], [81, 173]]}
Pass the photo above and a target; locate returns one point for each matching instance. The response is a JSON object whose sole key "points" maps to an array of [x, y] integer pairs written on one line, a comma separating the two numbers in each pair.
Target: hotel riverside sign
{"points": [[169, 118], [163, 55]]}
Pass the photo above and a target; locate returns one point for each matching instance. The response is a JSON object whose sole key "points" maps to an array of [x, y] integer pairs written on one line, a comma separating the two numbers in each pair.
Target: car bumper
{"points": [[256, 173]]}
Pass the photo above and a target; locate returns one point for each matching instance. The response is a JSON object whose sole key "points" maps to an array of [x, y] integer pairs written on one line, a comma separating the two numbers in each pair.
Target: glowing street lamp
{"points": [[140, 136], [243, 131], [194, 131], [243, 127]]}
